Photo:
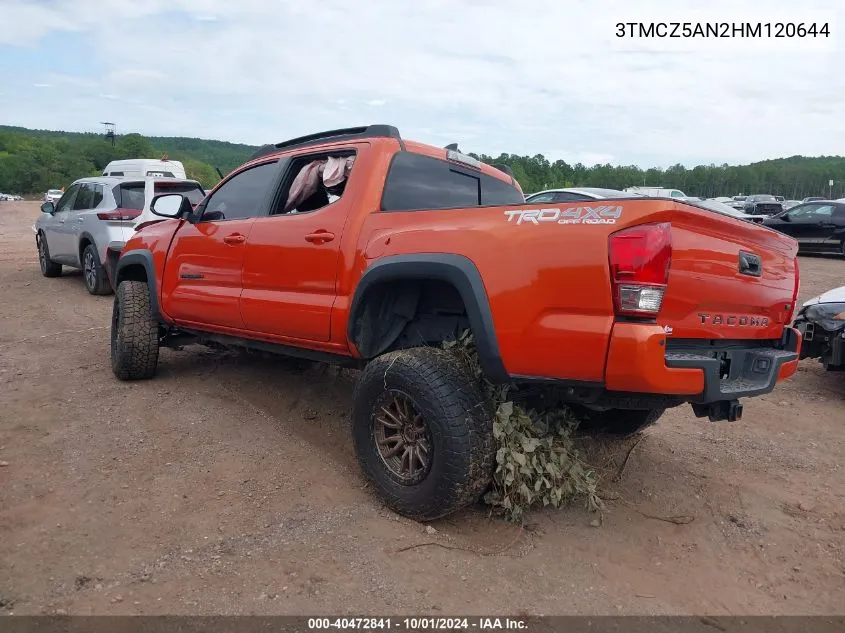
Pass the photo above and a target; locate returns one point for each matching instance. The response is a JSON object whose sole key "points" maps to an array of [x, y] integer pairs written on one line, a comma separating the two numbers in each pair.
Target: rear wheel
{"points": [[621, 422], [96, 280], [49, 268], [423, 432], [134, 333]]}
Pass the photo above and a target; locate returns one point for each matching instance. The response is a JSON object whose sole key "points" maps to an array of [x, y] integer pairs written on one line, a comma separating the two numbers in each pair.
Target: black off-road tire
{"points": [[134, 333], [96, 279], [620, 422], [49, 268], [458, 420]]}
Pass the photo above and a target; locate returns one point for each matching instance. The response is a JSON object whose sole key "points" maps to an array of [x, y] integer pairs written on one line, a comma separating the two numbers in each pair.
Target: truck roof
{"points": [[380, 131]]}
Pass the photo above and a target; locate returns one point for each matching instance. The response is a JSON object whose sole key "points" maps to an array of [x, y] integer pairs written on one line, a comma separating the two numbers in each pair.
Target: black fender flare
{"points": [[462, 273], [143, 258]]}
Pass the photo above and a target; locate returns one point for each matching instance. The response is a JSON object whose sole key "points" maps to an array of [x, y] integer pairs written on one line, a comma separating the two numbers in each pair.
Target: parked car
{"points": [[821, 321], [788, 204], [53, 195], [738, 202], [723, 199], [657, 192], [89, 225], [362, 248], [818, 226], [762, 204], [812, 199], [575, 194], [720, 207]]}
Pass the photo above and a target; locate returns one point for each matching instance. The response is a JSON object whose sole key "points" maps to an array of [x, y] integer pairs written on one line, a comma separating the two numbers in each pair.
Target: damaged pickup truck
{"points": [[822, 322]]}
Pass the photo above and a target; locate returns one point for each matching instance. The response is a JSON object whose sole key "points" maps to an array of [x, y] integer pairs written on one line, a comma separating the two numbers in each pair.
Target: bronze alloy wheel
{"points": [[402, 437]]}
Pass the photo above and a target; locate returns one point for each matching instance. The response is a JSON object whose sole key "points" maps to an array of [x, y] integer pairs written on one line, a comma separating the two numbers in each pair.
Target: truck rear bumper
{"points": [[642, 359]]}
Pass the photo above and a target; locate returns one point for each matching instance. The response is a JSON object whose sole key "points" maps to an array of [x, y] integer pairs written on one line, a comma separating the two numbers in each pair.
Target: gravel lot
{"points": [[228, 485]]}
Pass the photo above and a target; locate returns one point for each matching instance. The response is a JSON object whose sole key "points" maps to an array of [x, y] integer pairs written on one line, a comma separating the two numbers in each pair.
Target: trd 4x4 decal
{"points": [[572, 215]]}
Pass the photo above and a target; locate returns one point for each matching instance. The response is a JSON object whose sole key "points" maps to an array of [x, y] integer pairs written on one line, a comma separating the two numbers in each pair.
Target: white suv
{"points": [[94, 218]]}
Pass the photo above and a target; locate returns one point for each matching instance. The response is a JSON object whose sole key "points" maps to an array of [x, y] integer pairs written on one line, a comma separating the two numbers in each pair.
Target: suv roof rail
{"points": [[342, 134]]}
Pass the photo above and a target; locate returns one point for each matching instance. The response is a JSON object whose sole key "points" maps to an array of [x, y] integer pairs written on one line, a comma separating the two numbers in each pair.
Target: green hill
{"points": [[32, 161]]}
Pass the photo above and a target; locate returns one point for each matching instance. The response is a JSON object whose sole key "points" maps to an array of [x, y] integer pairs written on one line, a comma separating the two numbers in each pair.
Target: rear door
{"points": [[84, 202], [202, 276]]}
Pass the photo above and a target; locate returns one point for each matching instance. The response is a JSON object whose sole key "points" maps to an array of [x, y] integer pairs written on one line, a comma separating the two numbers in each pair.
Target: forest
{"points": [[32, 161]]}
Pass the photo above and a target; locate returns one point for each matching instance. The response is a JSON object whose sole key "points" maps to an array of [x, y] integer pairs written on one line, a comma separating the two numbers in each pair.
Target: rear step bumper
{"points": [[642, 360]]}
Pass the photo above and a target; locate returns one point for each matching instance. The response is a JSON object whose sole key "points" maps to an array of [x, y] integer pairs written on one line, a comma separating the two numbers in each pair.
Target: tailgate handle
{"points": [[749, 264]]}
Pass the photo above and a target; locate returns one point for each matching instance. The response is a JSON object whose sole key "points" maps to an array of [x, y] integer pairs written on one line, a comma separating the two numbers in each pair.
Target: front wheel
{"points": [[134, 333], [423, 432]]}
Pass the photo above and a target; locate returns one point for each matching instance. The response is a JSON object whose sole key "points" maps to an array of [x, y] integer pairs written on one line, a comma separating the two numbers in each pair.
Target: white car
{"points": [[92, 221], [724, 209], [575, 194], [53, 195], [657, 192]]}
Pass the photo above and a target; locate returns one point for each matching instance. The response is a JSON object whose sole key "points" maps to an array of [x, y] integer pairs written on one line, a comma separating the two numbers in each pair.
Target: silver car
{"points": [[89, 225], [576, 194]]}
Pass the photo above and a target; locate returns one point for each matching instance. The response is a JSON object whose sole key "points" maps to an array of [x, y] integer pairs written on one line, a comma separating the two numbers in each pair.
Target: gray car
{"points": [[89, 225]]}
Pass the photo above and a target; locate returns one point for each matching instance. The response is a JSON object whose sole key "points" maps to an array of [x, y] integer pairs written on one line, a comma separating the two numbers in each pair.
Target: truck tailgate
{"points": [[728, 279]]}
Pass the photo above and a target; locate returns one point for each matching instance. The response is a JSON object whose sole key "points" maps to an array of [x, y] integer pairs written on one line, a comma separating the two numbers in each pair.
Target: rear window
{"points": [[130, 196], [421, 182], [192, 191]]}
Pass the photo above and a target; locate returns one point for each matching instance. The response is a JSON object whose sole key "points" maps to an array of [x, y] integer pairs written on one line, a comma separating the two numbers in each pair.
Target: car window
{"points": [[84, 198], [98, 196], [422, 182], [314, 181], [541, 197], [568, 196], [823, 211], [130, 196], [677, 194], [803, 213], [67, 200], [241, 196]]}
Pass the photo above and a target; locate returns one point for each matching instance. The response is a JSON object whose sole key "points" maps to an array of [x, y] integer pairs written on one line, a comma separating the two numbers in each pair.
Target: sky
{"points": [[524, 77]]}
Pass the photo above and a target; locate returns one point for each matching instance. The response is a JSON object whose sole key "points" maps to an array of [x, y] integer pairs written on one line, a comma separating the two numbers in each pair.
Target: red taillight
{"points": [[640, 258], [119, 215]]}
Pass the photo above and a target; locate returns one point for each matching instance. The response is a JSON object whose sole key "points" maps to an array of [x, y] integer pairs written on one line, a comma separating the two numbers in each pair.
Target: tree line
{"points": [[32, 161]]}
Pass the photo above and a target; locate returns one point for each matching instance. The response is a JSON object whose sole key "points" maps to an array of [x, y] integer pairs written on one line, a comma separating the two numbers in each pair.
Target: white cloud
{"points": [[547, 78], [43, 85]]}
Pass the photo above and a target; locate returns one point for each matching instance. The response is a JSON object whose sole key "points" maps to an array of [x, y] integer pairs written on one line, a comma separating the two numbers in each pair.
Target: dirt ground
{"points": [[228, 485]]}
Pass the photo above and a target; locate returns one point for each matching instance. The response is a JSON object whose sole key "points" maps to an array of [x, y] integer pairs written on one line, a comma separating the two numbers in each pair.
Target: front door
{"points": [[291, 263], [202, 276], [58, 233]]}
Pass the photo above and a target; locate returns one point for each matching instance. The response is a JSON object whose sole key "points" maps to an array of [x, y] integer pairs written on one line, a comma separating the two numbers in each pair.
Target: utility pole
{"points": [[111, 133]]}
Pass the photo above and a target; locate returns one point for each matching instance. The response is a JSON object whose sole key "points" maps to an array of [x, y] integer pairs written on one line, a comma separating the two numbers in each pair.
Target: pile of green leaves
{"points": [[537, 462]]}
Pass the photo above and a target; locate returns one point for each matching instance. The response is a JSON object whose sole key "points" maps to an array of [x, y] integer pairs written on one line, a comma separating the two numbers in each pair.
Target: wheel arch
{"points": [[138, 265], [455, 270]]}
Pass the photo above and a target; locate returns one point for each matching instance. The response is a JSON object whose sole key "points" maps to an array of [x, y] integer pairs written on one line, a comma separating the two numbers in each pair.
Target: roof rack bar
{"points": [[364, 131]]}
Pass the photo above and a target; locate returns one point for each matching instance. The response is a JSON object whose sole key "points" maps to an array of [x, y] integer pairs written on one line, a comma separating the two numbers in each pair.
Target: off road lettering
{"points": [[569, 215]]}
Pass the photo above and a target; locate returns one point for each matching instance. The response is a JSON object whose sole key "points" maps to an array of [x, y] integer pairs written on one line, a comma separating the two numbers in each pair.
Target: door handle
{"points": [[318, 237], [80, 220], [235, 238]]}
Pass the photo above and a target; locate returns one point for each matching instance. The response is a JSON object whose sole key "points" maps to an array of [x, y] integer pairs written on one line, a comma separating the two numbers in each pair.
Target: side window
{"points": [[495, 191], [421, 182], [242, 195], [803, 214], [130, 195], [315, 181], [66, 201], [98, 196], [823, 212], [541, 197], [677, 194], [84, 198]]}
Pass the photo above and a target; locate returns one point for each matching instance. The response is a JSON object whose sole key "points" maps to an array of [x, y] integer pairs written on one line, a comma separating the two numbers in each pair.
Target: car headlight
{"points": [[830, 316]]}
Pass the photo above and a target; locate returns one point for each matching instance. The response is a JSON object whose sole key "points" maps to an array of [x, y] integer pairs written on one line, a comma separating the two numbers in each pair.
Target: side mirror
{"points": [[171, 205], [785, 217], [48, 207]]}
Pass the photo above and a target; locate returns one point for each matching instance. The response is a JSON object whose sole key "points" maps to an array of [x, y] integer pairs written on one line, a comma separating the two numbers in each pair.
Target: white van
{"points": [[657, 192], [145, 167]]}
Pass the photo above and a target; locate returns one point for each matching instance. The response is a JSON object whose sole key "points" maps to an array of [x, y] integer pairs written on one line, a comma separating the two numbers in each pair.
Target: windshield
{"points": [[761, 197], [54, 192]]}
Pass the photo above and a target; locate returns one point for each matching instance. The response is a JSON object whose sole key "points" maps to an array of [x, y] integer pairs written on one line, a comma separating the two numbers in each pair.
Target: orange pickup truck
{"points": [[360, 247]]}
